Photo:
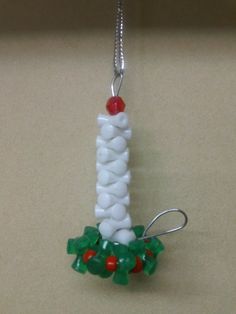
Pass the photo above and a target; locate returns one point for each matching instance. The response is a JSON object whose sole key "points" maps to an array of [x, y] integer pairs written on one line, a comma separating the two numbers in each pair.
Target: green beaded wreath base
{"points": [[104, 258]]}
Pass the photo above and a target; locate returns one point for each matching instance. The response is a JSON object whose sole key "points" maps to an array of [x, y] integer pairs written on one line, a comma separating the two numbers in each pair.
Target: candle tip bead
{"points": [[115, 105]]}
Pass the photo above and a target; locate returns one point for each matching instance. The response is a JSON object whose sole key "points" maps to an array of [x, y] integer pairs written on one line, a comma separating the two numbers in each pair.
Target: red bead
{"points": [[149, 253], [115, 105], [87, 255], [111, 263], [139, 265]]}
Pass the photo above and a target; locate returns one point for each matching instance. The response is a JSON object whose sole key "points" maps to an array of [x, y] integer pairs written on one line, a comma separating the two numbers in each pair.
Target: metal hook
{"points": [[145, 236], [116, 83]]}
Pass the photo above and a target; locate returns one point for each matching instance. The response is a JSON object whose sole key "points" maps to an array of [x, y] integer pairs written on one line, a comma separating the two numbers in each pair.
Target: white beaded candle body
{"points": [[113, 178]]}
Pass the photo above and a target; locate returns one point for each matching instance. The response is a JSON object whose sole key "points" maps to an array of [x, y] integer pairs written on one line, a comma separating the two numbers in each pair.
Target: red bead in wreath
{"points": [[111, 263], [139, 265], [87, 255]]}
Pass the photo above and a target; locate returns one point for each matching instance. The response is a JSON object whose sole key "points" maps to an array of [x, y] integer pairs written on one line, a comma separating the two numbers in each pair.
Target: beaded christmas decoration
{"points": [[115, 247]]}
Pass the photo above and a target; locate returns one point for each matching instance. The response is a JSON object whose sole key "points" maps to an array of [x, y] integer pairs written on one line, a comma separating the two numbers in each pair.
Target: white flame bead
{"points": [[113, 178]]}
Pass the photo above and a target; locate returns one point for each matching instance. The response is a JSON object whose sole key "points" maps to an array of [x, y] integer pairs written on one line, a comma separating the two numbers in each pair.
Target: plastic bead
{"points": [[136, 246], [118, 144], [138, 230], [150, 265], [155, 246], [106, 200], [118, 167], [109, 131], [106, 177], [88, 255], [71, 248], [121, 278], [119, 189], [139, 265], [109, 226], [80, 244], [119, 120], [105, 247], [106, 229], [95, 265], [149, 253], [105, 274], [115, 105], [126, 262], [105, 154], [79, 266], [92, 234], [111, 263], [123, 236], [117, 212]]}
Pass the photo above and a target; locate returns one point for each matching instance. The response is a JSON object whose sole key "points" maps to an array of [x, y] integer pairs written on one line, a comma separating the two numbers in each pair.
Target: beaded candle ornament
{"points": [[115, 247]]}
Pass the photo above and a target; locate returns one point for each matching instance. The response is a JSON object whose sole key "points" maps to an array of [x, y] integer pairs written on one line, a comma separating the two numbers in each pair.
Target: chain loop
{"points": [[118, 59]]}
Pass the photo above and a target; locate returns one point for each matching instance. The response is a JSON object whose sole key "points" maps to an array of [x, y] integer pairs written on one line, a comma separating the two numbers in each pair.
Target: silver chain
{"points": [[118, 60]]}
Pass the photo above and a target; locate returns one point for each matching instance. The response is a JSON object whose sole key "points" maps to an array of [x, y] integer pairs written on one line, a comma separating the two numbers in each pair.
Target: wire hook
{"points": [[116, 83], [145, 236]]}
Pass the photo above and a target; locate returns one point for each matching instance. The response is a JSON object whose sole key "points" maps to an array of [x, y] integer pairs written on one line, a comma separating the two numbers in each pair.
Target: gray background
{"points": [[55, 61]]}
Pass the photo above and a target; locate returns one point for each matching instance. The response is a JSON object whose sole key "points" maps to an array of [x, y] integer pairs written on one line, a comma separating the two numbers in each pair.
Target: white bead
{"points": [[118, 189], [101, 213], [106, 177], [120, 120], [108, 226], [118, 143], [109, 131], [106, 229], [120, 224], [118, 167], [123, 236], [117, 212], [105, 154], [106, 200]]}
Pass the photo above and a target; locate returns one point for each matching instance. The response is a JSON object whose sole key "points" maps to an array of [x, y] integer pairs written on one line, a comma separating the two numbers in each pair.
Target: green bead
{"points": [[120, 278], [95, 265], [126, 262], [105, 274], [161, 246], [149, 265], [155, 245], [81, 244], [138, 230], [90, 229], [119, 249], [137, 247], [71, 247], [92, 234], [105, 247], [79, 266]]}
